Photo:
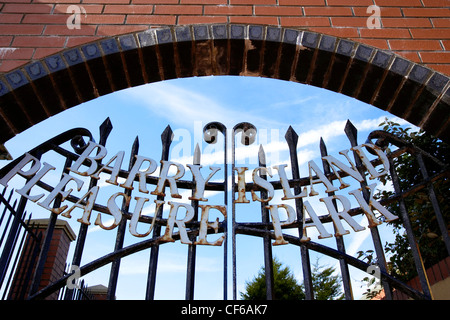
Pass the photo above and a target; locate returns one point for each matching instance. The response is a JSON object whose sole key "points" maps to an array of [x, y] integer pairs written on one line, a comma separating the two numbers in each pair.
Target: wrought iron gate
{"points": [[79, 139]]}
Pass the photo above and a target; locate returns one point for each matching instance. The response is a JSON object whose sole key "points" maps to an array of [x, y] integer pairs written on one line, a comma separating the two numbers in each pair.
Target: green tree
{"points": [[286, 286], [325, 285], [420, 210]]}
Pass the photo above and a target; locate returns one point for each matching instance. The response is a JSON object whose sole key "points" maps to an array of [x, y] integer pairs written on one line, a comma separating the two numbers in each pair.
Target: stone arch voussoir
{"points": [[44, 88]]}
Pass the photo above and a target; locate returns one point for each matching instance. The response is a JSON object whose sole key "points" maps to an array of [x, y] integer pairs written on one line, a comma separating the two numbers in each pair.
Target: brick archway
{"points": [[43, 88]]}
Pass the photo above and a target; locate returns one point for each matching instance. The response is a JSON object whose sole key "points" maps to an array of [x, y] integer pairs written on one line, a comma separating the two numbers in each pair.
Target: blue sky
{"points": [[187, 105]]}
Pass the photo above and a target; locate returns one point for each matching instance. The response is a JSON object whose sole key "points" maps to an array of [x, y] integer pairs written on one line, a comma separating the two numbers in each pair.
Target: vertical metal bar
{"points": [[9, 216], [435, 203], [352, 133], [120, 237], [268, 259], [248, 137], [410, 235], [47, 240], [17, 271], [12, 237], [105, 130], [292, 139], [5, 208], [210, 135], [33, 246], [339, 240], [192, 248], [166, 140], [225, 195], [233, 214]]}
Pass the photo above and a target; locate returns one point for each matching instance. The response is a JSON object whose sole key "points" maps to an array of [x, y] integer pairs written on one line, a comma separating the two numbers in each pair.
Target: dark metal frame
{"points": [[263, 229]]}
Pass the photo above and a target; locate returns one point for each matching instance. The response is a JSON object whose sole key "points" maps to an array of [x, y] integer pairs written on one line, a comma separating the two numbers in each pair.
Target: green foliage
{"points": [[420, 210], [285, 285], [326, 285]]}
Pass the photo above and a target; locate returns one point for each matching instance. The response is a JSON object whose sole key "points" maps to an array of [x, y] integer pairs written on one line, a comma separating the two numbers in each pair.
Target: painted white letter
{"points": [[165, 166], [340, 231], [93, 160], [200, 182], [262, 183], [128, 184]]}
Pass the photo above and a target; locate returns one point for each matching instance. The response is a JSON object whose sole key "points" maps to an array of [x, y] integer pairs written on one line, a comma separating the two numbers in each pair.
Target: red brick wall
{"points": [[56, 258], [416, 29]]}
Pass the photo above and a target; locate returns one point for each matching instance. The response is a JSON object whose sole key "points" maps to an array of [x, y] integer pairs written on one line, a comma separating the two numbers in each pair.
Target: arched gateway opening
{"points": [[47, 87]]}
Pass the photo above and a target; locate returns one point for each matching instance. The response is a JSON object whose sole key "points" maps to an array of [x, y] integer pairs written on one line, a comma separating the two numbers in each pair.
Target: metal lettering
{"points": [[315, 223], [59, 190], [163, 178], [381, 155], [263, 183], [285, 184], [137, 214], [135, 170], [336, 216], [32, 182], [200, 182], [353, 172], [205, 224], [241, 185], [366, 207], [113, 171], [312, 166], [93, 160], [277, 224], [90, 197], [28, 158], [172, 220]]}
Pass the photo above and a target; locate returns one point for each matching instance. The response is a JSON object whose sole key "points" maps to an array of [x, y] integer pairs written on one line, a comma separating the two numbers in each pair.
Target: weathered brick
{"points": [[387, 33], [435, 3], [11, 17], [441, 22], [430, 34], [204, 2], [110, 30], [406, 22], [301, 2], [38, 41], [201, 19], [62, 30], [228, 10], [254, 20], [435, 57], [154, 1], [128, 9], [151, 19], [29, 8], [178, 9], [399, 3], [328, 11], [90, 8], [5, 41], [305, 21], [45, 18], [426, 12], [278, 11], [364, 3], [21, 29], [412, 45]]}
